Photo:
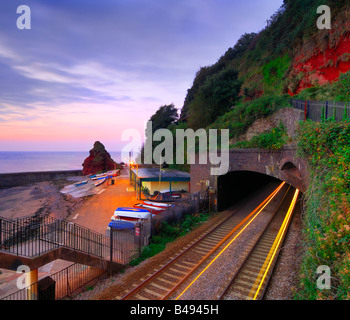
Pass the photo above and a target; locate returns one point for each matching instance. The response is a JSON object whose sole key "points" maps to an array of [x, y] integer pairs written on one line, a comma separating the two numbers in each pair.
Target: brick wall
{"points": [[282, 164]]}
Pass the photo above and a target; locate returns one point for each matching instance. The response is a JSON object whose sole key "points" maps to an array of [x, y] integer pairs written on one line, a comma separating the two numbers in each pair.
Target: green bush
{"points": [[337, 91], [273, 139], [216, 95], [326, 234], [240, 118], [274, 72], [169, 233]]}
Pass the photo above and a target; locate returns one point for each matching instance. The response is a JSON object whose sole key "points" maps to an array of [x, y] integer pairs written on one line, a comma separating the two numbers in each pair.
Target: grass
{"points": [[273, 139], [242, 116], [326, 234]]}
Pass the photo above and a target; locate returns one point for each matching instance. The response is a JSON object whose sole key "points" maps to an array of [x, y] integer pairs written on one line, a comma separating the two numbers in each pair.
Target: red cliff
{"points": [[98, 161], [322, 67]]}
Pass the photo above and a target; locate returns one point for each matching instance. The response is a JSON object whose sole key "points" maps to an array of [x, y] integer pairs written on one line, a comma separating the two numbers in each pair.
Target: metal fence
{"points": [[323, 110], [127, 244], [58, 285], [18, 238], [34, 236], [192, 204]]}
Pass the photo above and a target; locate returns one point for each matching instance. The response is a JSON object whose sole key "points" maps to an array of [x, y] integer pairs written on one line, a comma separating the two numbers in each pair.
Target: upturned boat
{"points": [[99, 182], [152, 209], [131, 214], [80, 183]]}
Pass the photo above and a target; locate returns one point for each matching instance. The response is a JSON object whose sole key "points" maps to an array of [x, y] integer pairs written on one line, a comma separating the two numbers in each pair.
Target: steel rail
{"points": [[253, 213], [270, 261], [253, 248], [212, 230]]}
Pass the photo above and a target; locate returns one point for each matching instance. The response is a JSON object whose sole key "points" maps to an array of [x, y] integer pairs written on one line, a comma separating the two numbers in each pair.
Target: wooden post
{"points": [[31, 282], [209, 200], [0, 233], [140, 240], [111, 251]]}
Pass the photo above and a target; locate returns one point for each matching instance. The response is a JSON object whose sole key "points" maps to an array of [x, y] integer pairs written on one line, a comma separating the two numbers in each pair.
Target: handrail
{"points": [[37, 235], [322, 110]]}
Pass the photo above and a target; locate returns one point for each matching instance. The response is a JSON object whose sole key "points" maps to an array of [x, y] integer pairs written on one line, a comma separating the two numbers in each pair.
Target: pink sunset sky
{"points": [[88, 70]]}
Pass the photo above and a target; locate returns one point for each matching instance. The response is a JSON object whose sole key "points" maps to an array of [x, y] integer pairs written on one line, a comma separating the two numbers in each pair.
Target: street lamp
{"points": [[136, 176]]}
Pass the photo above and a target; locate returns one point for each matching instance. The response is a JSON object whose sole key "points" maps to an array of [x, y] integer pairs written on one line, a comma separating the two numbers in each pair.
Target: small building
{"points": [[154, 179]]}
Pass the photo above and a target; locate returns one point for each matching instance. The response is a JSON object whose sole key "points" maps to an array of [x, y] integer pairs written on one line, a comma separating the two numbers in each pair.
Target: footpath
{"points": [[96, 212]]}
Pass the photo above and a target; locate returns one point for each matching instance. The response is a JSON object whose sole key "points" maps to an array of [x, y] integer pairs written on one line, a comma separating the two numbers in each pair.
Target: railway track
{"points": [[164, 282], [251, 280]]}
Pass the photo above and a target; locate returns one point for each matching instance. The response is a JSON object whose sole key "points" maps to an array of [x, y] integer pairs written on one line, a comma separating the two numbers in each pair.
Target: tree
{"points": [[163, 117], [216, 96]]}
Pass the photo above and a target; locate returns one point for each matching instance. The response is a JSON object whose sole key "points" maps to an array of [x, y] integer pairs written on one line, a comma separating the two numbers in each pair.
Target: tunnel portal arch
{"points": [[235, 185]]}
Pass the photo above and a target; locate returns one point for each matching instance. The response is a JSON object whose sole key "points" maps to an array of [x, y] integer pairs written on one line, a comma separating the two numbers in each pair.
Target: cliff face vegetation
{"points": [[326, 235], [290, 55]]}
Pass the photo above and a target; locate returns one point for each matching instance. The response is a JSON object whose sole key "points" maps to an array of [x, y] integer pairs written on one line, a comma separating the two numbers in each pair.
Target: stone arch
{"points": [[290, 173], [288, 165], [235, 185]]}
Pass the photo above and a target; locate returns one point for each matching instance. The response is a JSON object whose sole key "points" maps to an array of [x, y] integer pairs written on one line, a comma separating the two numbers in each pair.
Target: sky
{"points": [[90, 70]]}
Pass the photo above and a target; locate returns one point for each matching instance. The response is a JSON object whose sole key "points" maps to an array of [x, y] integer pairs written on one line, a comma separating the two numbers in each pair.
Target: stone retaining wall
{"points": [[8, 180]]}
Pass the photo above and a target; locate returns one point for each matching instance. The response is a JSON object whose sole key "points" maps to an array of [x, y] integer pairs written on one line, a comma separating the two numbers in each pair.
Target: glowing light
{"points": [[265, 202], [275, 246]]}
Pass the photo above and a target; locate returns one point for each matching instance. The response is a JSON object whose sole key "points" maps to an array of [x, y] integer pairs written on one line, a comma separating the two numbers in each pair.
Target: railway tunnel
{"points": [[250, 169], [235, 185]]}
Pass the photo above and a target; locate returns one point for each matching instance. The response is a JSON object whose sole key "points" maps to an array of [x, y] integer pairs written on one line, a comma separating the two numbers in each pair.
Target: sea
{"points": [[32, 161]]}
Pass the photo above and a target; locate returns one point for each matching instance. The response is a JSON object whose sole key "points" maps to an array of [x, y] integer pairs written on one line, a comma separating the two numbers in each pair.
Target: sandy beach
{"points": [[92, 211], [34, 199], [38, 198]]}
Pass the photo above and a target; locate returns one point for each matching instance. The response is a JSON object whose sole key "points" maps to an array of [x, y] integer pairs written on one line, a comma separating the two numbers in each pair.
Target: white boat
{"points": [[80, 183], [98, 183], [99, 177], [158, 204], [152, 209], [131, 214]]}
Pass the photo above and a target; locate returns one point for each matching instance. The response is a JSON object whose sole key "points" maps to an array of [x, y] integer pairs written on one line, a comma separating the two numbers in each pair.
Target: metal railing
{"points": [[194, 203], [121, 248], [35, 236], [58, 285], [323, 110]]}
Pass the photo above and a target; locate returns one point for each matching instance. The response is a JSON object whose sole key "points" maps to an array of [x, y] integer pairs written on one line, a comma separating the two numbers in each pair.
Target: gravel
{"points": [[281, 285]]}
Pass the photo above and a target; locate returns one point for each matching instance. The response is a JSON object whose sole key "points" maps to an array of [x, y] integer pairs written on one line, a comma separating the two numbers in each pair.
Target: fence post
{"points": [[305, 111], [111, 251], [67, 282], [326, 111], [16, 232], [199, 202], [140, 239], [182, 211]]}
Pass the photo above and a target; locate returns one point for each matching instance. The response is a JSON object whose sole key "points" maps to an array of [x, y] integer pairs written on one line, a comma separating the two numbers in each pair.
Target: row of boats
{"points": [[99, 179], [127, 217]]}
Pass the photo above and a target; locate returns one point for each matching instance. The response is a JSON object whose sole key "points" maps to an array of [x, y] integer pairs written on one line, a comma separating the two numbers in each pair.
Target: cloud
{"points": [[112, 62]]}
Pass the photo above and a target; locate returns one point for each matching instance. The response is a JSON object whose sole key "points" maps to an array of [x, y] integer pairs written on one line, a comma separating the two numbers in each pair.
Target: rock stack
{"points": [[98, 161]]}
